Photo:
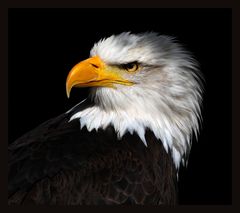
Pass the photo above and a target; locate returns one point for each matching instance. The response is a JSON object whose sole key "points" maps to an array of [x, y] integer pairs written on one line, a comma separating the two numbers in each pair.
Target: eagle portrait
{"points": [[124, 143]]}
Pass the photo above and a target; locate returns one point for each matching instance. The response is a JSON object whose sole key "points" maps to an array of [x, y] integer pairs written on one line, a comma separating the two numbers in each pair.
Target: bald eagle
{"points": [[124, 144]]}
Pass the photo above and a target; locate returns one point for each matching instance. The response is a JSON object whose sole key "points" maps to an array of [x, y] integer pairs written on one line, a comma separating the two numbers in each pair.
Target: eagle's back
{"points": [[57, 163]]}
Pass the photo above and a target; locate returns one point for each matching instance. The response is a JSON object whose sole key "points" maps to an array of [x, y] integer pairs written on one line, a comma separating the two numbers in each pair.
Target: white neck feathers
{"points": [[136, 109]]}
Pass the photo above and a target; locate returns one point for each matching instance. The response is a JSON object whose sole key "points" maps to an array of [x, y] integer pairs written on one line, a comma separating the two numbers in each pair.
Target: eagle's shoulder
{"points": [[45, 150], [58, 157]]}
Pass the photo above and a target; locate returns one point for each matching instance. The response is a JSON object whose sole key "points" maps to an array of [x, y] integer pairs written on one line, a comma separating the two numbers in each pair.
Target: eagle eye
{"points": [[131, 67]]}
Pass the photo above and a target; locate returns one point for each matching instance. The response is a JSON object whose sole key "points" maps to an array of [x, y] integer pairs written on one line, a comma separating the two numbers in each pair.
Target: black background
{"points": [[44, 44]]}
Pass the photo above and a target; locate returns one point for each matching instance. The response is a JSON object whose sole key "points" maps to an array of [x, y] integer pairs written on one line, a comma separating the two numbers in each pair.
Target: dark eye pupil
{"points": [[129, 66]]}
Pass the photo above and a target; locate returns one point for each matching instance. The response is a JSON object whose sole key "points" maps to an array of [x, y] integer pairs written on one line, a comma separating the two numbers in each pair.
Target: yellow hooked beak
{"points": [[93, 72]]}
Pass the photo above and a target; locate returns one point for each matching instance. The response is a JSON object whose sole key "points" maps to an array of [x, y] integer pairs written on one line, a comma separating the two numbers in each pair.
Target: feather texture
{"points": [[56, 164]]}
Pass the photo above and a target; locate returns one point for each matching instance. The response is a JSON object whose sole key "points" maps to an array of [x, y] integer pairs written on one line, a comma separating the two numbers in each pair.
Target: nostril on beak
{"points": [[94, 65]]}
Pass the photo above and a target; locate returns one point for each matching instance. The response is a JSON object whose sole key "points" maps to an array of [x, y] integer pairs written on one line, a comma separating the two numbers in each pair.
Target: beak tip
{"points": [[68, 92]]}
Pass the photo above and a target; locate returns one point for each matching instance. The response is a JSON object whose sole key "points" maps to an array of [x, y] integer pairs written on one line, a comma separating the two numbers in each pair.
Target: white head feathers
{"points": [[165, 98]]}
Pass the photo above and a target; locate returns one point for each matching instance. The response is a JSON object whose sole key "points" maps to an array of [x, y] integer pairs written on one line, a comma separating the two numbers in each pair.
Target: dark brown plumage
{"points": [[58, 164]]}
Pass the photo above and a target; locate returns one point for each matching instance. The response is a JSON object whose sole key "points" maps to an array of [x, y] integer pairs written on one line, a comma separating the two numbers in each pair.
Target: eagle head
{"points": [[142, 81]]}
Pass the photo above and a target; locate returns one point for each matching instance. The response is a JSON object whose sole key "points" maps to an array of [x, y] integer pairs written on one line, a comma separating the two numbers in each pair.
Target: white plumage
{"points": [[165, 98]]}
